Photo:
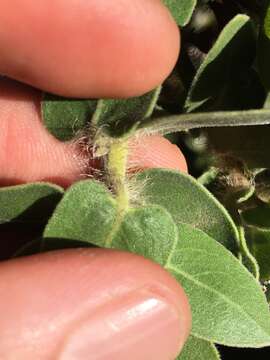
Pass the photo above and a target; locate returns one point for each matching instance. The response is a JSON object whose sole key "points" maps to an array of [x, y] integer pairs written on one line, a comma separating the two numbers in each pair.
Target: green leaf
{"points": [[224, 67], [96, 222], [228, 305], [65, 117], [224, 310], [188, 202], [148, 231], [119, 116], [86, 213], [198, 349], [31, 203], [264, 47], [181, 10], [259, 244]]}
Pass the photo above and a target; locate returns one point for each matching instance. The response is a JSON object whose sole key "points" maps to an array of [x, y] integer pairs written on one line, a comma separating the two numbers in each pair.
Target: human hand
{"points": [[91, 303]]}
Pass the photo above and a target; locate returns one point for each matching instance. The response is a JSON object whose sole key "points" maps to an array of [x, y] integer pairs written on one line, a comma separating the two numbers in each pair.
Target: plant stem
{"points": [[116, 168], [175, 123]]}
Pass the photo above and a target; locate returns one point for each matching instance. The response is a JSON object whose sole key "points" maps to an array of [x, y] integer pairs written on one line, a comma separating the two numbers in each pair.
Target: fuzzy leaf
{"points": [[148, 231], [224, 310], [65, 117], [218, 76], [118, 117], [86, 212], [259, 244], [188, 202], [32, 203], [96, 222], [181, 10], [228, 305], [198, 349]]}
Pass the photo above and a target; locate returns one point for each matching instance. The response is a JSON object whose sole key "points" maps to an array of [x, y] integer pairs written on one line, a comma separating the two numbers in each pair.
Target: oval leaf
{"points": [[188, 202], [86, 213], [228, 305], [148, 231]]}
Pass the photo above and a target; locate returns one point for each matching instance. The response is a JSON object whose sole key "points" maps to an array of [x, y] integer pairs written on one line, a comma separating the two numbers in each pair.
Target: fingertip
{"points": [[88, 48], [131, 307], [156, 152], [29, 152]]}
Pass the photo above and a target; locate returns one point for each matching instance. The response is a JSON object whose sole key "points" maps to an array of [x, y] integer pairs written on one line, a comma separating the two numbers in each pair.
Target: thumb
{"points": [[90, 304]]}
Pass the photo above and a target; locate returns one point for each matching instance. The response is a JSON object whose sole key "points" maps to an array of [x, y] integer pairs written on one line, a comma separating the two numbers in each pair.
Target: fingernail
{"points": [[140, 326]]}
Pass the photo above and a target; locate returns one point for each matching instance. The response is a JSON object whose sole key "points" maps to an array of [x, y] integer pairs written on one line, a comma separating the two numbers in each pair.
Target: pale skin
{"points": [[83, 304]]}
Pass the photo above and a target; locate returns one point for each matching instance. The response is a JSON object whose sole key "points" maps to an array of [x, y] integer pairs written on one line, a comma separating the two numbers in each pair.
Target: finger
{"points": [[90, 304], [29, 153], [88, 48], [156, 152]]}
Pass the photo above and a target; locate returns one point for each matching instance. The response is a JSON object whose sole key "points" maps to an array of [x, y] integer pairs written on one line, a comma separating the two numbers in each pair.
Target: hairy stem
{"points": [[176, 123], [116, 168]]}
